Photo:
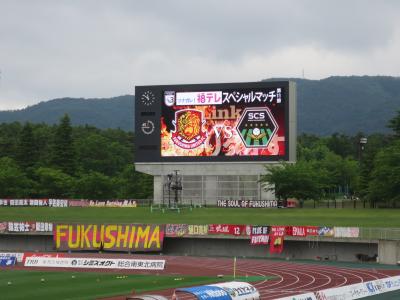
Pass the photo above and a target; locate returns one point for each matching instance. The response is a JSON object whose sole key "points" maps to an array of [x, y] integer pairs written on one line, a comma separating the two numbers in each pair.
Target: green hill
{"points": [[117, 112], [335, 104]]}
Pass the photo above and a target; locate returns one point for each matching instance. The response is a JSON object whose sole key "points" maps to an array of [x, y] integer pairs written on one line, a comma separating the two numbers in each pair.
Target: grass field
{"points": [[73, 285], [307, 216]]}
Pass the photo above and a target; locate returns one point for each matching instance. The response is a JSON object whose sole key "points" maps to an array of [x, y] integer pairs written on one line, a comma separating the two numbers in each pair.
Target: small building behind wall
{"points": [[219, 137]]}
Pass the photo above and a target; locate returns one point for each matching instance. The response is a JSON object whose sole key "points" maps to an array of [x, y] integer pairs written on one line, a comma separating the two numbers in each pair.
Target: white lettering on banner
{"points": [[361, 290], [95, 263]]}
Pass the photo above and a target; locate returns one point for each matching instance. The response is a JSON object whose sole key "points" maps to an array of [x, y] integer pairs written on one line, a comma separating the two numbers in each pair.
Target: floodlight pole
{"points": [[363, 141]]}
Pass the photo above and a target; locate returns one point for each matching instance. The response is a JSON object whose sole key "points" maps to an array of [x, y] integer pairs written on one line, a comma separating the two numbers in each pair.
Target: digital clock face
{"points": [[148, 98]]}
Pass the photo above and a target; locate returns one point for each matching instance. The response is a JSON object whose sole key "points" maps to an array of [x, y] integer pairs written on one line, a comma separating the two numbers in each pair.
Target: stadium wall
{"points": [[294, 248]]}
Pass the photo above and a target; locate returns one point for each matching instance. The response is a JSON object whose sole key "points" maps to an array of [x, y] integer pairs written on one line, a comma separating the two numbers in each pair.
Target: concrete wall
{"points": [[10, 242], [389, 252], [293, 249]]}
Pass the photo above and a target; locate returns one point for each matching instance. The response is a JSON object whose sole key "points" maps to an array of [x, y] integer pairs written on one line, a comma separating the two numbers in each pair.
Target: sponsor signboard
{"points": [[239, 290], [326, 231], [197, 230], [40, 254], [29, 227], [112, 203], [34, 202], [346, 232], [176, 230], [297, 230], [206, 292], [8, 261], [247, 203], [361, 290], [306, 296], [112, 237], [227, 229], [259, 235], [95, 263], [18, 255], [3, 227]]}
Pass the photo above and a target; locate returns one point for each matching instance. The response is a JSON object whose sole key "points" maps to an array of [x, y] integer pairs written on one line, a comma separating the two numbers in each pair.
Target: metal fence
{"points": [[380, 233]]}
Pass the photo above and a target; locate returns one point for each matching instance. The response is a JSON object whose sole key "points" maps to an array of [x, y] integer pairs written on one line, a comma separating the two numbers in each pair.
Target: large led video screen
{"points": [[218, 122]]}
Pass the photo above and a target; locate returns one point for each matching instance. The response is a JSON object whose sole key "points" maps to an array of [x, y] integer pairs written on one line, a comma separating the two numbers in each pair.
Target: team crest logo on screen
{"points": [[256, 127], [188, 133]]}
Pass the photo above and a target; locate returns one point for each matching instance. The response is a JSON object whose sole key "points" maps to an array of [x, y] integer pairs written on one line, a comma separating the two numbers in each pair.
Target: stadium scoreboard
{"points": [[227, 122]]}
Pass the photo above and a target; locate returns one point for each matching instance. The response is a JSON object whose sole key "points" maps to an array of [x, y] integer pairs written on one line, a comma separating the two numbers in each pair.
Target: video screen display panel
{"points": [[218, 122]]}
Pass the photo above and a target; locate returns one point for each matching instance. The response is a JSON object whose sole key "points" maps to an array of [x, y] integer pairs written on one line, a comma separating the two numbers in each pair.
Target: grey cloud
{"points": [[52, 49]]}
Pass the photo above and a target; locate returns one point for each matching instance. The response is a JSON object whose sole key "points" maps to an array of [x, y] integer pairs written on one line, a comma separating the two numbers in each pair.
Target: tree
{"points": [[27, 152], [94, 185], [132, 184], [394, 124], [54, 183], [299, 180], [385, 183], [63, 157], [13, 182]]}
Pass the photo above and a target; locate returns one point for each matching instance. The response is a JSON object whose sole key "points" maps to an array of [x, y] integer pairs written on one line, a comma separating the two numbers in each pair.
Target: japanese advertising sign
{"points": [[112, 237], [95, 263]]}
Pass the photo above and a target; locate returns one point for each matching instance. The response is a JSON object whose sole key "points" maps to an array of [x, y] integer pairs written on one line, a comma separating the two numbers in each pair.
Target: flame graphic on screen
{"points": [[217, 142]]}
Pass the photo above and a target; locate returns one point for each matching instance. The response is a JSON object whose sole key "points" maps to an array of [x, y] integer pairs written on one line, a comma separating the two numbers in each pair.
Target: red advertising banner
{"points": [[112, 237], [278, 231], [296, 231], [312, 230], [38, 254], [227, 229], [276, 244]]}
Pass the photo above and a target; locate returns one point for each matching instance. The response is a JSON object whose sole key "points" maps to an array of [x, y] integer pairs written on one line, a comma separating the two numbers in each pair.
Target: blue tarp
{"points": [[207, 292], [8, 261]]}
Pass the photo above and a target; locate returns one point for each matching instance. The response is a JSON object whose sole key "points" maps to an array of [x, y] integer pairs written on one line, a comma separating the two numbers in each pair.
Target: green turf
{"points": [[309, 216], [73, 285]]}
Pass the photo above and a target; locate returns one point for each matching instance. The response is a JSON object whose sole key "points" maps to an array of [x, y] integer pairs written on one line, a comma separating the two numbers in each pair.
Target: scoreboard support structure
{"points": [[219, 137]]}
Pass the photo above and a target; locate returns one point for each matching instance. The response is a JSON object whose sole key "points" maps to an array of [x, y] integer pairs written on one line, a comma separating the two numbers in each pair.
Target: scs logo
{"points": [[256, 116], [256, 127]]}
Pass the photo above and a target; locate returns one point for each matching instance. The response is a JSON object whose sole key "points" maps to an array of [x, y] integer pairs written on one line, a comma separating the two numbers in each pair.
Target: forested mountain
{"points": [[117, 112], [336, 104]]}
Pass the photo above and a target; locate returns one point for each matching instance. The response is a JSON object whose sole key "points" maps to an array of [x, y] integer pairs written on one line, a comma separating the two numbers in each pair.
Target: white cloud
{"points": [[52, 49]]}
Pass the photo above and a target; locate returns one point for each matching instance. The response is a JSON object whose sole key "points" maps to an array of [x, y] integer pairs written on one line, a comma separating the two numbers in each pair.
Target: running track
{"points": [[292, 278]]}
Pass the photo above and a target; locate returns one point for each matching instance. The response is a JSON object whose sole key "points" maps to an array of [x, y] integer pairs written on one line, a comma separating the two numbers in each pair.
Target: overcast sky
{"points": [[54, 49]]}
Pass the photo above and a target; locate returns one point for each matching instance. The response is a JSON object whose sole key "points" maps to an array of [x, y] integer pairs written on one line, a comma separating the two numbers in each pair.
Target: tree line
{"points": [[84, 162], [61, 161], [352, 166]]}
